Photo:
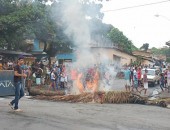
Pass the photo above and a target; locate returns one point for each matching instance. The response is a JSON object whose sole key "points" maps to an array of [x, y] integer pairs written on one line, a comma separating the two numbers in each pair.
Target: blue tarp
{"points": [[6, 83]]}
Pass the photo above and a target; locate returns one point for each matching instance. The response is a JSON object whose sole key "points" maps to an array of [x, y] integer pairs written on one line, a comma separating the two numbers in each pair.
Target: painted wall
{"points": [[111, 55], [36, 45], [65, 56], [104, 55], [147, 62]]}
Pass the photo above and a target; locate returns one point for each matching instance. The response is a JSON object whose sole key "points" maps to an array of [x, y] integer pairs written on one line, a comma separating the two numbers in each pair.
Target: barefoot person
{"points": [[19, 90]]}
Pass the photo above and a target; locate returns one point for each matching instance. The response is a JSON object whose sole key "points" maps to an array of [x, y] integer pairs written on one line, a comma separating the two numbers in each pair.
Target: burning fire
{"points": [[91, 82]]}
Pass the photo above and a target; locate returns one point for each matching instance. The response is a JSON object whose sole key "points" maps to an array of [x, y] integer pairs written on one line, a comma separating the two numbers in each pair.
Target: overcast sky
{"points": [[140, 24]]}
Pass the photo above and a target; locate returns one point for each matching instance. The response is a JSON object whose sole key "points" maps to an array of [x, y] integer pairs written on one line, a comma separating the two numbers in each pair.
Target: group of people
{"points": [[7, 65], [88, 78], [165, 79], [136, 80], [58, 77]]}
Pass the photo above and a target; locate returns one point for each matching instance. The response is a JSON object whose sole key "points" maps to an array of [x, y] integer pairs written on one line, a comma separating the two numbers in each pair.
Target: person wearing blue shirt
{"points": [[127, 78]]}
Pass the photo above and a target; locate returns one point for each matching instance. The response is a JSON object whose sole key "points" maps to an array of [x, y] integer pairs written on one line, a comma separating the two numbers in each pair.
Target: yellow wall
{"points": [[146, 62], [107, 53], [41, 45]]}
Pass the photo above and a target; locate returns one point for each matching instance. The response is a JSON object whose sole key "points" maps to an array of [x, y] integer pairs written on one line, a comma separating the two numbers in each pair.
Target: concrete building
{"points": [[146, 57], [113, 55]]}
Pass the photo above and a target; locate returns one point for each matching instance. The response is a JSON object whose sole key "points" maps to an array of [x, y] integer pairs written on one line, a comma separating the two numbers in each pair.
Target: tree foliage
{"points": [[119, 39], [34, 19], [158, 51], [16, 18]]}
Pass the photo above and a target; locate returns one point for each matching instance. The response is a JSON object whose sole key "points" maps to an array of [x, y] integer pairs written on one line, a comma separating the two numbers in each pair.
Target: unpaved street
{"points": [[44, 115]]}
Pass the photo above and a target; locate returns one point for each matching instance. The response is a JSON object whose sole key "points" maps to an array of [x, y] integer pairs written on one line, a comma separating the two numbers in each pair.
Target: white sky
{"points": [[140, 24]]}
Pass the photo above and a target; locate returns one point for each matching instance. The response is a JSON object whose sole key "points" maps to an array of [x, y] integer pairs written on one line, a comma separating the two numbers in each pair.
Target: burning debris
{"points": [[97, 97], [111, 97], [91, 77], [162, 102], [35, 92]]}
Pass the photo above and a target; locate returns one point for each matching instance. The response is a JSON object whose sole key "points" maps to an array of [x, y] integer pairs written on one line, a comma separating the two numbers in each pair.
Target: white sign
{"points": [[6, 83]]}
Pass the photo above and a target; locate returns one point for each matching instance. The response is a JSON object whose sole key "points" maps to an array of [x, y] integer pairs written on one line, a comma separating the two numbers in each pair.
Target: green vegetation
{"points": [[27, 19], [121, 40]]}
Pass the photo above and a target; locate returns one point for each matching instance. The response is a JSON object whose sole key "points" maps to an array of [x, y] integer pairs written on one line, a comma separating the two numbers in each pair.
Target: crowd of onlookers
{"points": [[136, 79], [38, 74], [57, 76], [7, 65]]}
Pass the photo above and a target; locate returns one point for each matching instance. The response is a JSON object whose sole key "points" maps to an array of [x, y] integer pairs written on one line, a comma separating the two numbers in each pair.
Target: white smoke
{"points": [[78, 30]]}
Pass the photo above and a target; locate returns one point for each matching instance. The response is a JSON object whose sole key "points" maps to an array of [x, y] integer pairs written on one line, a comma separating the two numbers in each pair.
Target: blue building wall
{"points": [[66, 56], [36, 46]]}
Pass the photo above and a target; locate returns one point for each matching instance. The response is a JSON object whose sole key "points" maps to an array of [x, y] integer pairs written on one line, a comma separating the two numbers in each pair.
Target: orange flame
{"points": [[93, 84], [79, 83]]}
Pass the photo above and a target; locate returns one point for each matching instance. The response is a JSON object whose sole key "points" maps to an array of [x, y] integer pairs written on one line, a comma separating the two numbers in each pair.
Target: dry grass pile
{"points": [[98, 97], [84, 98], [162, 102], [37, 91], [117, 97]]}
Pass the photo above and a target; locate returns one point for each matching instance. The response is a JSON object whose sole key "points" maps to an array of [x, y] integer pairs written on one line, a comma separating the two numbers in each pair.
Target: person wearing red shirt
{"points": [[139, 74]]}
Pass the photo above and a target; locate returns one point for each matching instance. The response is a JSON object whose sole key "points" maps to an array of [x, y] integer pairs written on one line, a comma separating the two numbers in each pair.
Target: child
{"points": [[38, 77], [52, 77], [62, 80]]}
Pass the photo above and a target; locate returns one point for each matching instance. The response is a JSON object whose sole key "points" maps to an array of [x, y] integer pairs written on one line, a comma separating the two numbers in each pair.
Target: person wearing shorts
{"points": [[145, 82], [139, 73], [135, 80], [127, 79]]}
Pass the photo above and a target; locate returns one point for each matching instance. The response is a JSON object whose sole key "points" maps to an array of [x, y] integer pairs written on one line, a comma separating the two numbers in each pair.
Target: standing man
{"points": [[145, 82], [139, 73], [168, 78], [127, 78], [135, 80], [19, 90]]}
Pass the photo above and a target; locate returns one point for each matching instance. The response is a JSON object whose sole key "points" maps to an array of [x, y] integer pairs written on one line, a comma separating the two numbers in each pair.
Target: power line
{"points": [[130, 7]]}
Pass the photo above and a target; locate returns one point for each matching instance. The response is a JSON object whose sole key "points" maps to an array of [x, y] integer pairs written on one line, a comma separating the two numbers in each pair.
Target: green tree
{"points": [[118, 38], [16, 17], [27, 19]]}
